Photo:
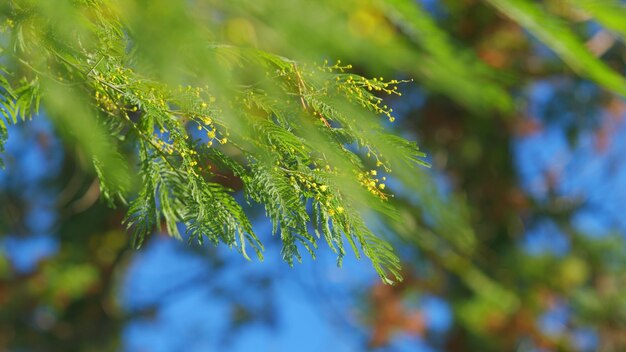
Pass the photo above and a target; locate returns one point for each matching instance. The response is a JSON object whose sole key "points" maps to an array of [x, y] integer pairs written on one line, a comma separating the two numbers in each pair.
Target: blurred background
{"points": [[512, 241]]}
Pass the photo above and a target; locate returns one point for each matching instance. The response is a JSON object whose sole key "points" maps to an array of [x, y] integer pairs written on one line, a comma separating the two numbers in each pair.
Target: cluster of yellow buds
{"points": [[211, 133], [8, 24], [190, 160], [104, 101], [200, 110], [322, 193], [197, 91], [188, 155], [198, 98], [308, 182], [206, 123], [360, 88], [109, 98], [108, 94], [155, 97], [372, 183], [113, 78], [164, 147], [337, 67], [184, 152], [357, 87], [336, 210]]}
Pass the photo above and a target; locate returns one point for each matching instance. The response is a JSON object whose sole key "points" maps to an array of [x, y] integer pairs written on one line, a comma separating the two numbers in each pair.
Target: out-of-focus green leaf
{"points": [[445, 67], [559, 38], [610, 13], [77, 123]]}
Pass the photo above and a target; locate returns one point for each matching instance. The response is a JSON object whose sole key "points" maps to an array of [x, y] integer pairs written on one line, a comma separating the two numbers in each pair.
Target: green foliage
{"points": [[16, 104], [457, 73], [191, 113], [297, 135], [609, 13], [173, 102], [555, 33]]}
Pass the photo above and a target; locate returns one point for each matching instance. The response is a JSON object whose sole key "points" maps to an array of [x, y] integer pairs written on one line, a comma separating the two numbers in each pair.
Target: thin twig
{"points": [[301, 90], [95, 65]]}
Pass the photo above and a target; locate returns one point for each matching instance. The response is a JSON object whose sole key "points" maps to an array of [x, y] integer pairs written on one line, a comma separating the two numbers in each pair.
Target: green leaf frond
{"points": [[556, 34], [303, 140], [182, 105], [17, 103]]}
